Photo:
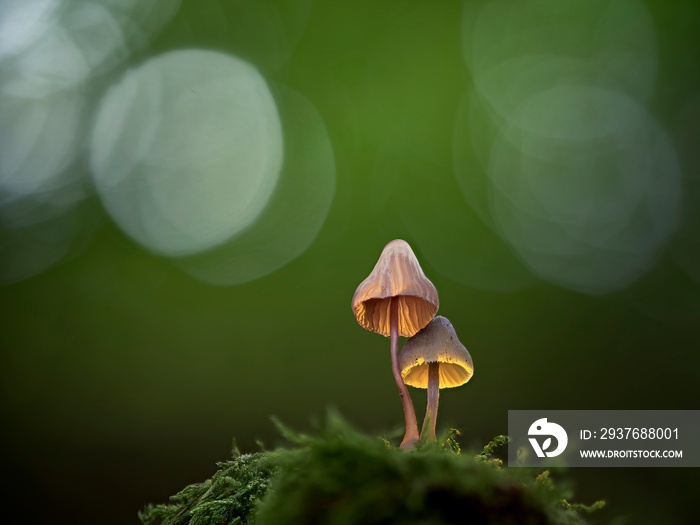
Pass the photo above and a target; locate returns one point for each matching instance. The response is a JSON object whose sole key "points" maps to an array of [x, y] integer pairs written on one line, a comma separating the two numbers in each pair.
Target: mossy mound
{"points": [[341, 477]]}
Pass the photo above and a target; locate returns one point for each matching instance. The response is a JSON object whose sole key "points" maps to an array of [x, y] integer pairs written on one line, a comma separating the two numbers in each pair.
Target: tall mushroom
{"points": [[397, 299], [434, 359]]}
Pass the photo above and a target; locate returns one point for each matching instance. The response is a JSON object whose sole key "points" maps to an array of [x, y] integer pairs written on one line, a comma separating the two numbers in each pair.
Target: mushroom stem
{"points": [[431, 411], [411, 436]]}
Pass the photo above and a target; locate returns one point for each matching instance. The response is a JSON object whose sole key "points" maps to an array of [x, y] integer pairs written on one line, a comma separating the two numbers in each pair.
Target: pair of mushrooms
{"points": [[397, 299]]}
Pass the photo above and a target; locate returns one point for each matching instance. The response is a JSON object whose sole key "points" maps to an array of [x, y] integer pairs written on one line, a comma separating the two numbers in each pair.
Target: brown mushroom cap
{"points": [[397, 274], [436, 343]]}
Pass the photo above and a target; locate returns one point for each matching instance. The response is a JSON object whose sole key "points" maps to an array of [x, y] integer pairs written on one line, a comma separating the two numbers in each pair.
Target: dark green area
{"points": [[339, 476]]}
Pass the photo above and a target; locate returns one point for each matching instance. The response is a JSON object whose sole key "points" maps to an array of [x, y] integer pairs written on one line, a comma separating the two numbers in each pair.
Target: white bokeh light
{"points": [[39, 140], [51, 46], [585, 199], [555, 149], [186, 150], [22, 22], [54, 56], [613, 43], [296, 212]]}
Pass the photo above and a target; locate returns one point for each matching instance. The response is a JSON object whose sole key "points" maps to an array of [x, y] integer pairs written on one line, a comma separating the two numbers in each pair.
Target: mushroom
{"points": [[434, 359], [397, 299]]}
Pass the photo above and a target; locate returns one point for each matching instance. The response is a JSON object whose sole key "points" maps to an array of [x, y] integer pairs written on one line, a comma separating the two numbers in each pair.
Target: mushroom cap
{"points": [[397, 274], [436, 343]]}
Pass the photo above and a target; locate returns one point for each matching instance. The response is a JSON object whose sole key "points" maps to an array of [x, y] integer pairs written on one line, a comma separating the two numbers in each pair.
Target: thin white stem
{"points": [[411, 436], [431, 411]]}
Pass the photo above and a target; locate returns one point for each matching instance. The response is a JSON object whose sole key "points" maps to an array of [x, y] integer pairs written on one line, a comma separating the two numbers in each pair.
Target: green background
{"points": [[123, 379]]}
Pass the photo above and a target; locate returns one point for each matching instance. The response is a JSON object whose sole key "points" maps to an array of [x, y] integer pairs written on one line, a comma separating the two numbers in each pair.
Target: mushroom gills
{"points": [[413, 314], [451, 375]]}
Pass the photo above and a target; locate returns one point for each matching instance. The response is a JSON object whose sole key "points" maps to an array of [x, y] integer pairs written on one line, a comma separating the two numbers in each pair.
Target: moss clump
{"points": [[229, 497], [341, 477]]}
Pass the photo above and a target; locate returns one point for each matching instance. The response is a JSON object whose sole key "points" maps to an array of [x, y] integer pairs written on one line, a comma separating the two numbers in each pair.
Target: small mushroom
{"points": [[434, 359], [397, 299]]}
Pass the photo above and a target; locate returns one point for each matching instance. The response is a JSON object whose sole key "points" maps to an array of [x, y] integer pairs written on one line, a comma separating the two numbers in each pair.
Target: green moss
{"points": [[342, 477], [229, 497]]}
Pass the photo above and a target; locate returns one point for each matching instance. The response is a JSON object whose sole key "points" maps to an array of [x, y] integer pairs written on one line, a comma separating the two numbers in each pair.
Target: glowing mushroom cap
{"points": [[436, 343], [397, 274]]}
